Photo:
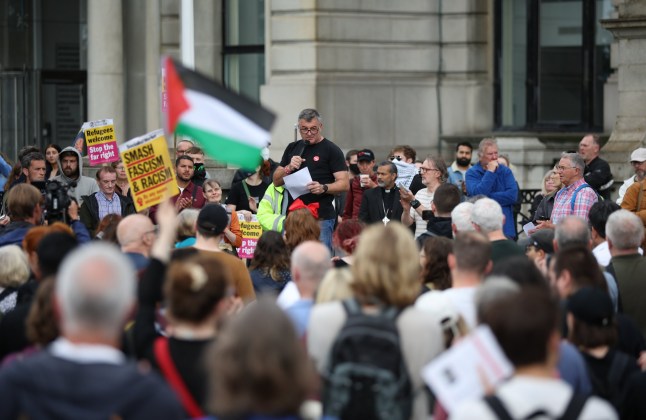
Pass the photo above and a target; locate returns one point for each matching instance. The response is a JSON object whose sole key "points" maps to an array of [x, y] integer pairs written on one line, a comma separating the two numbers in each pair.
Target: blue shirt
{"points": [[108, 205], [299, 312], [499, 186]]}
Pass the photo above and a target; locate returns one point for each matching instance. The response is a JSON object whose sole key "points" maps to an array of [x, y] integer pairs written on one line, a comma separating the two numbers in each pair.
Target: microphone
{"points": [[300, 149]]}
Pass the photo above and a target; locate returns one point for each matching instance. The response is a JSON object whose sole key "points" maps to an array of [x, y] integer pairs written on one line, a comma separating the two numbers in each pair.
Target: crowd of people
{"points": [[353, 288]]}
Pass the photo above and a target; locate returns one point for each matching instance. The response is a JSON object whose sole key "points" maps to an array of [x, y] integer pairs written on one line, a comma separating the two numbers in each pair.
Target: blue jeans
{"points": [[327, 227]]}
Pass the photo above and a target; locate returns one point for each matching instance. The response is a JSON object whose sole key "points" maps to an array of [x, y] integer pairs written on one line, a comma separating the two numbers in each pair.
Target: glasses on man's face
{"points": [[396, 157], [424, 169], [305, 130], [559, 168]]}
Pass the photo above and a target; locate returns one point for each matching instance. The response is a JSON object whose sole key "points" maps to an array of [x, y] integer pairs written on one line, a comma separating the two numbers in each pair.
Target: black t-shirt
{"points": [[238, 196], [322, 159]]}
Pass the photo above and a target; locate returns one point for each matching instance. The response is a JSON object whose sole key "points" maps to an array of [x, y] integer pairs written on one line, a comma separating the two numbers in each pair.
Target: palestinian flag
{"points": [[229, 127]]}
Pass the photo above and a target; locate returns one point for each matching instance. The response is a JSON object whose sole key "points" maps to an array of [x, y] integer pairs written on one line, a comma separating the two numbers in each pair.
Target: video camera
{"points": [[57, 199]]}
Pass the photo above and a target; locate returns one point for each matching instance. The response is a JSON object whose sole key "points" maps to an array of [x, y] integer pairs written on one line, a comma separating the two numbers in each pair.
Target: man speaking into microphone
{"points": [[326, 164]]}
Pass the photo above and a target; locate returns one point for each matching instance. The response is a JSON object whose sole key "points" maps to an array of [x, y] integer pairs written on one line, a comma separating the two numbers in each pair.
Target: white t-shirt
{"points": [[624, 187], [602, 253], [463, 298], [524, 395], [425, 198]]}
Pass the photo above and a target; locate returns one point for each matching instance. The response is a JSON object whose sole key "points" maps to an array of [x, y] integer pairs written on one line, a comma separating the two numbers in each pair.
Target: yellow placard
{"points": [[99, 135], [251, 232], [149, 169]]}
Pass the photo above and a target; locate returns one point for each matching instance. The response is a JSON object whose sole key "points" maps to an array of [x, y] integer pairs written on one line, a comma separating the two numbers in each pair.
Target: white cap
{"points": [[638, 155]]}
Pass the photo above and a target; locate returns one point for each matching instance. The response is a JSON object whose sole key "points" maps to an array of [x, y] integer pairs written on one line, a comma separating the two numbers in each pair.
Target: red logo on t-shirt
{"points": [[316, 158]]}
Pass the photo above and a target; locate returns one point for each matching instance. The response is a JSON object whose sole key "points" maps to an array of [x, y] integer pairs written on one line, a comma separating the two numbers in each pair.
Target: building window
{"points": [[552, 60], [244, 46]]}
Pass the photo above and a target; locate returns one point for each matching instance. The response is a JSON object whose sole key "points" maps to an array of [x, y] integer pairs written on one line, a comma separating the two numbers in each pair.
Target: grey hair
{"points": [[391, 166], [14, 266], [625, 230], [572, 230], [576, 159], [95, 288], [309, 114], [461, 217], [484, 143], [493, 289], [487, 214], [186, 222], [440, 165], [312, 265]]}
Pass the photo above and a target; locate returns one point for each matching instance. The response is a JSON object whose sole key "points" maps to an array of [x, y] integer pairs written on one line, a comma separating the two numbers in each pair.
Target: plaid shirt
{"points": [[108, 206], [585, 198]]}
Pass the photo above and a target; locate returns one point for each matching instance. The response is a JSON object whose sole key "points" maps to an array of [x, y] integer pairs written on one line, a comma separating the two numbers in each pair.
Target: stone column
{"points": [[629, 131], [208, 38], [105, 63]]}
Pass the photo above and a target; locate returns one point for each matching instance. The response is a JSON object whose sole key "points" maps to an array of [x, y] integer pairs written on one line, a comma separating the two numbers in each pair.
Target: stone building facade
{"points": [[534, 74]]}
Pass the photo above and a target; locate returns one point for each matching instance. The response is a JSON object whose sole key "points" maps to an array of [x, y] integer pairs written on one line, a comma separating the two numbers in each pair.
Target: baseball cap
{"points": [[592, 306], [543, 240], [365, 155], [213, 218], [638, 155]]}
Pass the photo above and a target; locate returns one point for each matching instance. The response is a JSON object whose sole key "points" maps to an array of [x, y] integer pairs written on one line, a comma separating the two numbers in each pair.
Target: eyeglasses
{"points": [[559, 168], [305, 130], [423, 169], [395, 157]]}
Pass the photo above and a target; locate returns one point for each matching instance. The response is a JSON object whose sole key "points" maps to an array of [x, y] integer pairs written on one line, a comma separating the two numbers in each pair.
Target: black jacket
{"points": [[372, 207], [597, 175], [89, 211]]}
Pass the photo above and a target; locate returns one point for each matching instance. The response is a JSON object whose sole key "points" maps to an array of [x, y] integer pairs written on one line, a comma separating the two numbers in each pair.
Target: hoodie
{"points": [[84, 184]]}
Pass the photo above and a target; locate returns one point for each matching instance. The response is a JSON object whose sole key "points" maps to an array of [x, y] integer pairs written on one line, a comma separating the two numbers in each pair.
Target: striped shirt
{"points": [[425, 198], [108, 206], [585, 198]]}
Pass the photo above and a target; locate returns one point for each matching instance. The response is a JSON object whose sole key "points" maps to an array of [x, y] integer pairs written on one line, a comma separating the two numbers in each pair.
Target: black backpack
{"points": [[572, 410], [367, 377]]}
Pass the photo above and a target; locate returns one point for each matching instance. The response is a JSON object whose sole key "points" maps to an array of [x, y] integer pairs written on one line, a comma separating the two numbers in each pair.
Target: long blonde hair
{"points": [[385, 269]]}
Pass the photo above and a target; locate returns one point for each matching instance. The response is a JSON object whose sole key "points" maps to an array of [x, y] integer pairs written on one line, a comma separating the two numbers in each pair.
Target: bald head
{"points": [[135, 233], [310, 262], [570, 231]]}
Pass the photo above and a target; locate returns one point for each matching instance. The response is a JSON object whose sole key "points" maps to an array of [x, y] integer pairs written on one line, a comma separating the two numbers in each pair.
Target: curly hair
{"points": [[346, 235], [300, 226], [271, 255], [435, 269]]}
